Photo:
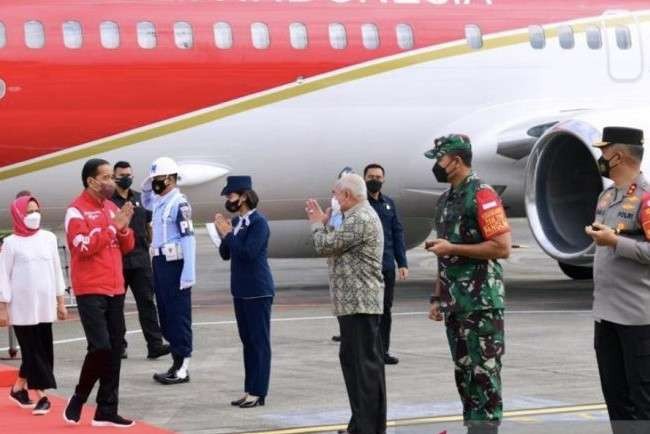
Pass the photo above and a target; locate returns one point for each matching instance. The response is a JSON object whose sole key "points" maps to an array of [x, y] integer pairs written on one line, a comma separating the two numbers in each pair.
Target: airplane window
{"points": [[370, 36], [565, 35], [34, 34], [183, 35], [537, 37], [260, 36], [3, 89], [404, 36], [3, 35], [474, 36], [109, 33], [72, 35], [338, 36], [594, 38], [147, 38], [298, 36], [222, 35], [623, 37]]}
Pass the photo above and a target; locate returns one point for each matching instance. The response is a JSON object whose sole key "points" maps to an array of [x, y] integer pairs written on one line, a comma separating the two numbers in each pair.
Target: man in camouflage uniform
{"points": [[473, 233]]}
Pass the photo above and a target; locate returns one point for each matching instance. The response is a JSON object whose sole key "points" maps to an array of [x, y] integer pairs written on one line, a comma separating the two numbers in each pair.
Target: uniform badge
{"points": [[631, 190], [644, 216], [605, 200], [492, 218]]}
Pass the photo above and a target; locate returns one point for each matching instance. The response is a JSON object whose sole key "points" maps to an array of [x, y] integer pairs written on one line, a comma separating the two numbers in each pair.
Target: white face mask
{"points": [[33, 220], [336, 207]]}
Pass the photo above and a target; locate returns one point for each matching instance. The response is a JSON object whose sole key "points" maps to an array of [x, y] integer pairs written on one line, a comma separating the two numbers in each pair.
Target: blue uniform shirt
{"points": [[172, 223], [394, 248], [250, 274]]}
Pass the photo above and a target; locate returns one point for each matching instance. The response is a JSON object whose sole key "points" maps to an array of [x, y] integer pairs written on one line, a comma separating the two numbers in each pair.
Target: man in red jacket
{"points": [[98, 235]]}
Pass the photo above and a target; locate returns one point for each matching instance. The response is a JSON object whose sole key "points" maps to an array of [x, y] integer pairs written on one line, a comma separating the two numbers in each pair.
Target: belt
{"points": [[156, 252]]}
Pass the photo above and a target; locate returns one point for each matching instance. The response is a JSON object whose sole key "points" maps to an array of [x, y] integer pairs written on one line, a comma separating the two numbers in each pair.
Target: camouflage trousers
{"points": [[476, 341]]}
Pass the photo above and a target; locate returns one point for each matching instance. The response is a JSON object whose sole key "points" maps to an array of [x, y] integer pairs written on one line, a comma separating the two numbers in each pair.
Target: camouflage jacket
{"points": [[355, 251], [470, 214]]}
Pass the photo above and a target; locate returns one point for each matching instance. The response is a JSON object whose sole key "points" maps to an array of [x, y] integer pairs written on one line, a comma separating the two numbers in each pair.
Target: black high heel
{"points": [[250, 404], [238, 402]]}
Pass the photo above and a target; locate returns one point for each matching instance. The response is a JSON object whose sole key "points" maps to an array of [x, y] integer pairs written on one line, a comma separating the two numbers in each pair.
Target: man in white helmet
{"points": [[173, 256]]}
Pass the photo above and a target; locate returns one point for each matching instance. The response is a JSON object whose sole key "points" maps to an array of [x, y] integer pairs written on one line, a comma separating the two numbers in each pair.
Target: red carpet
{"points": [[8, 375], [15, 420]]}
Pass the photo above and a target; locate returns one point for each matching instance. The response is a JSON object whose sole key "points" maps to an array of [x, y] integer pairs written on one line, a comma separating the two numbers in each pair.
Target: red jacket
{"points": [[96, 247]]}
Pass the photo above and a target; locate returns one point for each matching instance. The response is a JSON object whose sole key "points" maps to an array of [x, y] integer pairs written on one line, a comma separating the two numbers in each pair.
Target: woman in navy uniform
{"points": [[245, 241]]}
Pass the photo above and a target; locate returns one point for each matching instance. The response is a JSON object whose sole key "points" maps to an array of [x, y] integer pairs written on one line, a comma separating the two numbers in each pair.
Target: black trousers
{"points": [[37, 351], [254, 326], [102, 318], [387, 317], [362, 362], [623, 354], [140, 282]]}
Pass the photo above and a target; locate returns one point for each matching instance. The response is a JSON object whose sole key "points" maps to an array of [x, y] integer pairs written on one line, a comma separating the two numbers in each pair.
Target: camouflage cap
{"points": [[450, 143]]}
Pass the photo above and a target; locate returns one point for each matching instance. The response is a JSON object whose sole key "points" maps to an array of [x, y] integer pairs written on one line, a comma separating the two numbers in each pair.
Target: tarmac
{"points": [[550, 379]]}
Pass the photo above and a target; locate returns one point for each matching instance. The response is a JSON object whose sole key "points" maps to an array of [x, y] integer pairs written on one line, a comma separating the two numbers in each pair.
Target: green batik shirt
{"points": [[470, 214]]}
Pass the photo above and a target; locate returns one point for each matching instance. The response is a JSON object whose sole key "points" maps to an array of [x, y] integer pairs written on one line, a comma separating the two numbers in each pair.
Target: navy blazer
{"points": [[250, 274], [394, 246]]}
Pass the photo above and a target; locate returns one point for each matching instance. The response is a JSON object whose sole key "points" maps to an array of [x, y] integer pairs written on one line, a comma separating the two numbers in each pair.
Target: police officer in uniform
{"points": [[173, 255], [621, 232], [472, 234]]}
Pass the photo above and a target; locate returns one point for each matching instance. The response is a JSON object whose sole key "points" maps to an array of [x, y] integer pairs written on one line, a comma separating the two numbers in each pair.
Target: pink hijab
{"points": [[18, 213]]}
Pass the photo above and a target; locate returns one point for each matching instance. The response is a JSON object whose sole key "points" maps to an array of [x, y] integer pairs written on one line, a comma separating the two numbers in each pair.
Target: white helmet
{"points": [[160, 166], [163, 166]]}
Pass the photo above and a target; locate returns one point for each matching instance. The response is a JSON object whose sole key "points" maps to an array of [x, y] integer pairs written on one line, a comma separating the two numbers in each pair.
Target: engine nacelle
{"points": [[562, 182]]}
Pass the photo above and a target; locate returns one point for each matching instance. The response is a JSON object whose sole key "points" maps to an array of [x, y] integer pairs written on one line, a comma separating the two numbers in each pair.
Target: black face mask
{"points": [[233, 207], [124, 182], [158, 186], [374, 186], [440, 173], [604, 167]]}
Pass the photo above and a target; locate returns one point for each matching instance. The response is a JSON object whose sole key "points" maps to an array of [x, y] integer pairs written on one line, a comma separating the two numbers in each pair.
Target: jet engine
{"points": [[562, 184]]}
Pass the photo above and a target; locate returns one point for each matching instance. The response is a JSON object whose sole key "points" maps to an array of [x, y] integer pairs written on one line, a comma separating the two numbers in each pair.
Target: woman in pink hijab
{"points": [[31, 298]]}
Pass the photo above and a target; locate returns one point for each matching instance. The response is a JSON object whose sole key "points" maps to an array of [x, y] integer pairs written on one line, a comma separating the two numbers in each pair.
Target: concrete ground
{"points": [[550, 377]]}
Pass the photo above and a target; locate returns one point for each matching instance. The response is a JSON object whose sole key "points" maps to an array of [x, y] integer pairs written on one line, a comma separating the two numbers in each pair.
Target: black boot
{"points": [[172, 376]]}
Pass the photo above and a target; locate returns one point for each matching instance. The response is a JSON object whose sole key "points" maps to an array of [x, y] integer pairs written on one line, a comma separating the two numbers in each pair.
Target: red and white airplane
{"points": [[291, 91]]}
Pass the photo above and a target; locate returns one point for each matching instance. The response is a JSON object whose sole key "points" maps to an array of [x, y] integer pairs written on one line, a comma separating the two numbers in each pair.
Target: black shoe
{"points": [[42, 407], [160, 351], [72, 412], [390, 360], [250, 404], [171, 378], [336, 338], [116, 421], [21, 398], [125, 355], [238, 402]]}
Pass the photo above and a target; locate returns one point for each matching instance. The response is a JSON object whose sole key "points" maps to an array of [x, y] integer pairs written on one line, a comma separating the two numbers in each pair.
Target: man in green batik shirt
{"points": [[473, 233]]}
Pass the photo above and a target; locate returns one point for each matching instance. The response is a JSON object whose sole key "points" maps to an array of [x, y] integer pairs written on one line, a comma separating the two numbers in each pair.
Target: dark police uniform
{"points": [[138, 274], [252, 289], [622, 297], [394, 251]]}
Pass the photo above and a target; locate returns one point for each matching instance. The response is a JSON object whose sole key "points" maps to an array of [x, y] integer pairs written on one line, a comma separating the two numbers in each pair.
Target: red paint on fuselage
{"points": [[58, 97]]}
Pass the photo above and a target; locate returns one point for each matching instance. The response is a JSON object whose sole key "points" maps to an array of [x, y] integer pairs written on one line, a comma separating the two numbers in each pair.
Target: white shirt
{"points": [[245, 219], [31, 277]]}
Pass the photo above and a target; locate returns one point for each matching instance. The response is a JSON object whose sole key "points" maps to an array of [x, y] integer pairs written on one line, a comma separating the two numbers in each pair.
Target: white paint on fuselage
{"points": [[294, 149]]}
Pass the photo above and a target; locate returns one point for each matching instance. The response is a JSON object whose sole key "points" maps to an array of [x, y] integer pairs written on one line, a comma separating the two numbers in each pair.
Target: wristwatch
{"points": [[434, 299]]}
